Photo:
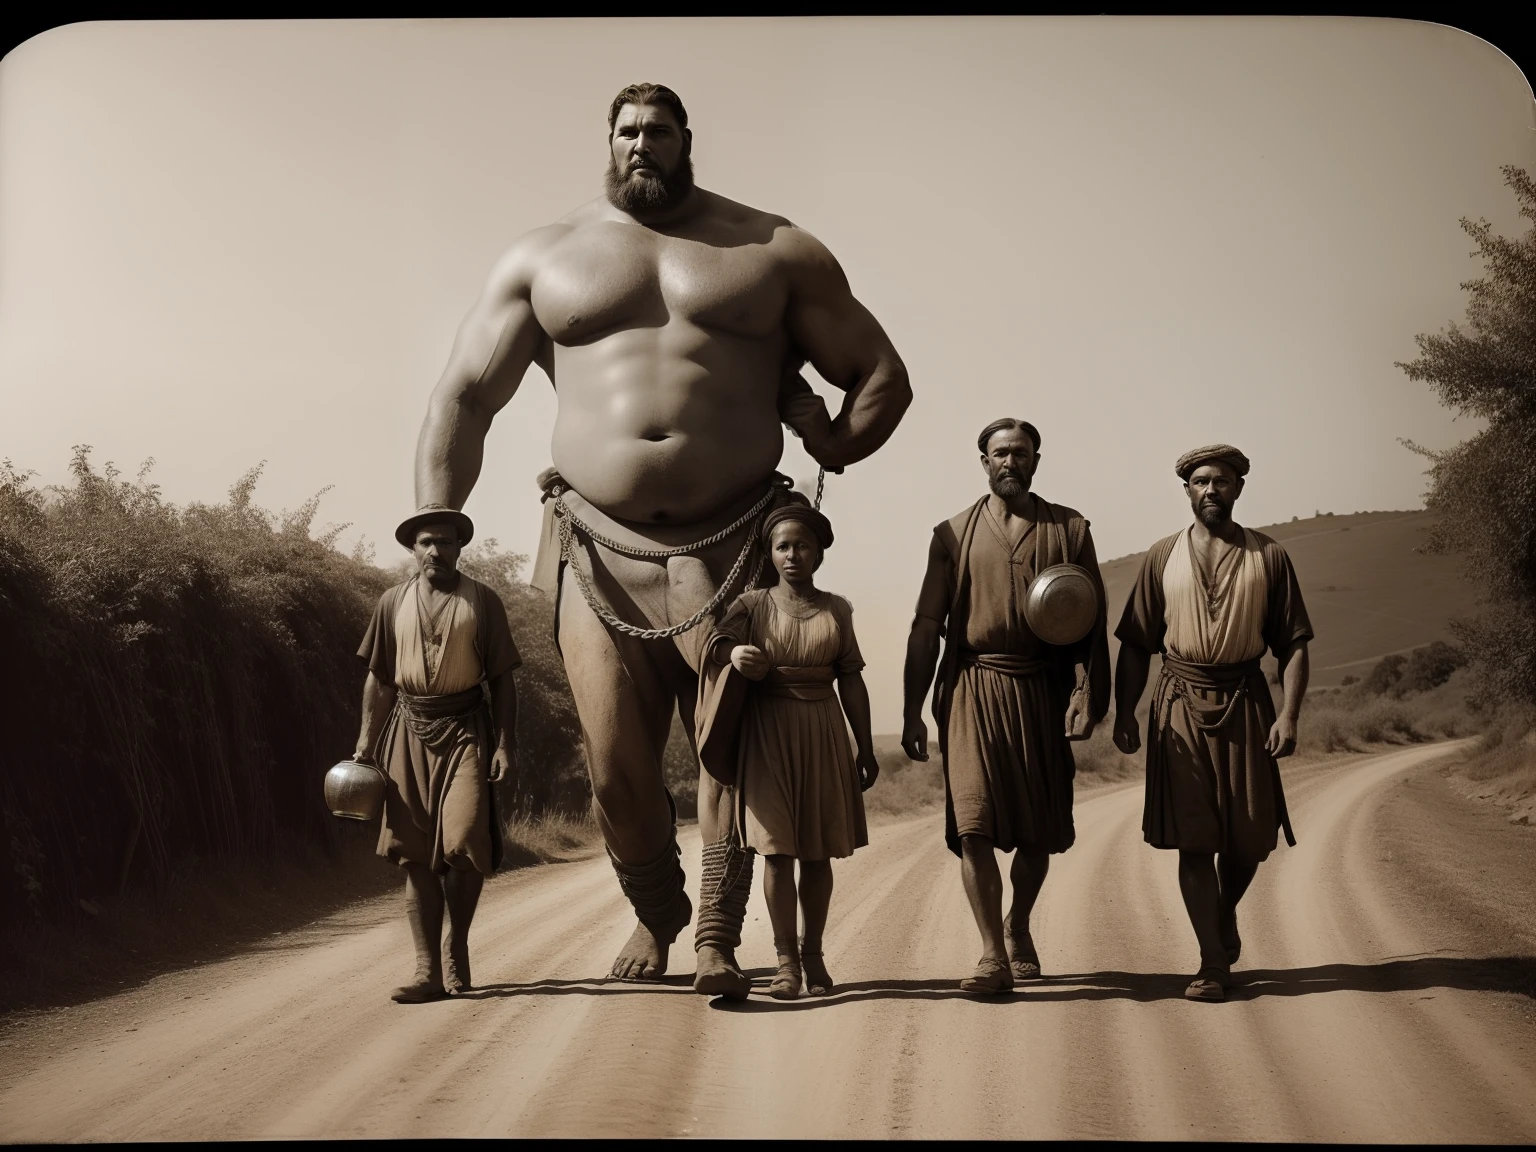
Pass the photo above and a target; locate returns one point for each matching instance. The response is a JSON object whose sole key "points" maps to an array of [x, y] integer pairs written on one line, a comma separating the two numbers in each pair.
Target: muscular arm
{"points": [[378, 702], [847, 346], [495, 344]]}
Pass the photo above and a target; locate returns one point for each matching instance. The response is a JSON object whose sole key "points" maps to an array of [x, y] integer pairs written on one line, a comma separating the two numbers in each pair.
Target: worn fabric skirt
{"points": [[799, 787], [438, 806], [1212, 786], [1008, 762]]}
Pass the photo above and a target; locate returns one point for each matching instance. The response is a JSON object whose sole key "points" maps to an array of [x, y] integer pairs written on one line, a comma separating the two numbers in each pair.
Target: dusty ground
{"points": [[1389, 985]]}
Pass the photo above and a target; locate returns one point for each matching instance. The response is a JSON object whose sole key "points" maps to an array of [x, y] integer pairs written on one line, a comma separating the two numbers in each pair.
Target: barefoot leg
{"points": [[625, 708]]}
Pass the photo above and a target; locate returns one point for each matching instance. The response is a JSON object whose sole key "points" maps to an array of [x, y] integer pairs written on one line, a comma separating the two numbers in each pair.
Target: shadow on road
{"points": [[1514, 974]]}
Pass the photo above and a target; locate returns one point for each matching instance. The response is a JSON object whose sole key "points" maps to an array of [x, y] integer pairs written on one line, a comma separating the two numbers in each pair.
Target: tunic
{"points": [[436, 746], [1002, 693], [1212, 786], [796, 777]]}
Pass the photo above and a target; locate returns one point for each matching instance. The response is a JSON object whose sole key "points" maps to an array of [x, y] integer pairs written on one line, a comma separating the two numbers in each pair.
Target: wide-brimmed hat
{"points": [[435, 514]]}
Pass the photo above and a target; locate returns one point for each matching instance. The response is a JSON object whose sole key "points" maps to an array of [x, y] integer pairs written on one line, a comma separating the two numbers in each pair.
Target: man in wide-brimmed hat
{"points": [[1212, 599], [440, 714], [1006, 702]]}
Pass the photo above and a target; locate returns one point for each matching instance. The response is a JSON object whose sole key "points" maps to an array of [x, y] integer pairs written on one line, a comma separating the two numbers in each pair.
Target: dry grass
{"points": [[551, 838]]}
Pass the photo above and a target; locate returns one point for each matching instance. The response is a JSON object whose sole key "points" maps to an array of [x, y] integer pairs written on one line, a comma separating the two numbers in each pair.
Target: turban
{"points": [[1211, 454], [801, 513]]}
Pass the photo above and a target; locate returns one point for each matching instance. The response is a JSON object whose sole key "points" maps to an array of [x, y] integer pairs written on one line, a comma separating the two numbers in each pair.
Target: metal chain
{"points": [[605, 614], [659, 553], [568, 521]]}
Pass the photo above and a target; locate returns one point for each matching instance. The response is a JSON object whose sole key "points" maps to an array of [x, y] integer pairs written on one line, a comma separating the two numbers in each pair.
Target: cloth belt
{"points": [[1017, 666], [798, 683], [438, 718], [1183, 678]]}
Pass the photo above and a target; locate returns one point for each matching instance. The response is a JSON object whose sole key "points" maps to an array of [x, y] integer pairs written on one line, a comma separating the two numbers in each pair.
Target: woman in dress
{"points": [[800, 785]]}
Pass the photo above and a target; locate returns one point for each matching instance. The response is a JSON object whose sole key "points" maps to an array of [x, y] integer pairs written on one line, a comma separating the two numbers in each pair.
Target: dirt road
{"points": [[1388, 997]]}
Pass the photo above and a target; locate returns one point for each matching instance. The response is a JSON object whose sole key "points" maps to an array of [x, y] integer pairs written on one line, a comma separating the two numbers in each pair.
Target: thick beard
{"points": [[1007, 486], [647, 193], [1213, 515]]}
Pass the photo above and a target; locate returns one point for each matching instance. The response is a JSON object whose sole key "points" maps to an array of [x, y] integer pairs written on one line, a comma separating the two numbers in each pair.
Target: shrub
{"points": [[180, 678]]}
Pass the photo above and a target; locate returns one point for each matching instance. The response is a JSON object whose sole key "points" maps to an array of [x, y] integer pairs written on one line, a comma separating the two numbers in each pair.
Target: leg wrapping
{"points": [[723, 892], [656, 890]]}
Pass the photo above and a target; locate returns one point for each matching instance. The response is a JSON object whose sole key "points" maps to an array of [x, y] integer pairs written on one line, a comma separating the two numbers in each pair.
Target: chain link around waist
{"points": [[568, 522]]}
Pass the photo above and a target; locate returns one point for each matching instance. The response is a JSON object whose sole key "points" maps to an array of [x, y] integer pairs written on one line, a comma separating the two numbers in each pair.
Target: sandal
{"points": [[991, 977], [785, 984], [1209, 984], [818, 980]]}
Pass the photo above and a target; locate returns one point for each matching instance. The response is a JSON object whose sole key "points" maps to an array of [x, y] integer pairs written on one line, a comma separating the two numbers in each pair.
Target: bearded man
{"points": [[673, 322], [1211, 599], [1006, 702], [440, 711]]}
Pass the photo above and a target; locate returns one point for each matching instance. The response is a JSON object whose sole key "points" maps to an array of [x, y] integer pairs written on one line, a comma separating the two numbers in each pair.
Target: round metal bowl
{"points": [[354, 791], [1061, 604]]}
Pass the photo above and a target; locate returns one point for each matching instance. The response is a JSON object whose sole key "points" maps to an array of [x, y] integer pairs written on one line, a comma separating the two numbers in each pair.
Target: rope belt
{"points": [[568, 523]]}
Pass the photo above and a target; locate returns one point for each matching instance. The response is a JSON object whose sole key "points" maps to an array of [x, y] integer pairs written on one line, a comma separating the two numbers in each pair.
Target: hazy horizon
{"points": [[223, 242]]}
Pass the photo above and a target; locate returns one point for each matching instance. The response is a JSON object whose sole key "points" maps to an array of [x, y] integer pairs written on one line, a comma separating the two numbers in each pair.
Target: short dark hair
{"points": [[658, 94], [1006, 424]]}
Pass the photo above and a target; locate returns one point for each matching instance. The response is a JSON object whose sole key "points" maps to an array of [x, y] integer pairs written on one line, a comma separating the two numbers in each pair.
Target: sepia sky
{"points": [[228, 242]]}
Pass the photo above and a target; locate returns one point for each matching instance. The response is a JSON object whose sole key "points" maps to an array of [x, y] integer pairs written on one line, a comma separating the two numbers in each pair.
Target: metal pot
{"points": [[354, 790], [1061, 604]]}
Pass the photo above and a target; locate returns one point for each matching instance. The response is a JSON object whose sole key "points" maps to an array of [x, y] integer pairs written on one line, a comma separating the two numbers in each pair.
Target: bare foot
{"points": [[818, 981], [718, 975], [643, 957], [1207, 985]]}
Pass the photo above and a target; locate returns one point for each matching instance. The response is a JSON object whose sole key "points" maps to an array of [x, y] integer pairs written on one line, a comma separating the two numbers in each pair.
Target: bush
{"points": [[180, 678]]}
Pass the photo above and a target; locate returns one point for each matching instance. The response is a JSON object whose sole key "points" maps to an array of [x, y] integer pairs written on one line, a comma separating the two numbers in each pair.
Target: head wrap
{"points": [[1211, 454], [801, 512], [435, 514]]}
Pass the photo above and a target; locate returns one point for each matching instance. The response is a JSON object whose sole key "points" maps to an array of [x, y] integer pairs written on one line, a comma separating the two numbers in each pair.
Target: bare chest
{"points": [[609, 277]]}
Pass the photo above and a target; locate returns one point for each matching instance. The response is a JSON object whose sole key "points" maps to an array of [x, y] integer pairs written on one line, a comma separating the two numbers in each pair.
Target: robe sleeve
{"points": [[1143, 622], [938, 590], [735, 626], [378, 647], [501, 654], [849, 658], [1286, 621]]}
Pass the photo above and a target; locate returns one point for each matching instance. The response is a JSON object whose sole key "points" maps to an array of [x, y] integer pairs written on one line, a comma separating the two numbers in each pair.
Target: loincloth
{"points": [[650, 592]]}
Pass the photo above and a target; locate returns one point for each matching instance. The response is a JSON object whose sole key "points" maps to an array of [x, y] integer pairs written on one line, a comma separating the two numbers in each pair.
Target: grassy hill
{"points": [[1368, 591]]}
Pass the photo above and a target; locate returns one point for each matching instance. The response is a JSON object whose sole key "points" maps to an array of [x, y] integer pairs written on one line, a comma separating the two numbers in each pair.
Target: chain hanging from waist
{"points": [[1184, 678]]}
